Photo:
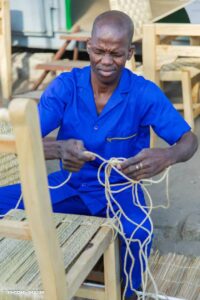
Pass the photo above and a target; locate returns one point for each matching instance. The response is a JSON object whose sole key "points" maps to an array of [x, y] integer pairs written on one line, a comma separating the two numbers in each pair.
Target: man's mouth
{"points": [[106, 72]]}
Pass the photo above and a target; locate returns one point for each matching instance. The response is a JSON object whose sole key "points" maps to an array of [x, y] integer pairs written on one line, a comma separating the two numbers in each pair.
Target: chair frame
{"points": [[157, 52], [6, 56], [40, 226]]}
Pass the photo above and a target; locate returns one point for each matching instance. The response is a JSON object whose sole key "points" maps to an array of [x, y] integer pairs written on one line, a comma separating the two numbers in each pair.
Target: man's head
{"points": [[110, 45]]}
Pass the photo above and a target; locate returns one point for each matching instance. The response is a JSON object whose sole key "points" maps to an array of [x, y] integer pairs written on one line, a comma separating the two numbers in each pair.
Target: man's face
{"points": [[108, 50]]}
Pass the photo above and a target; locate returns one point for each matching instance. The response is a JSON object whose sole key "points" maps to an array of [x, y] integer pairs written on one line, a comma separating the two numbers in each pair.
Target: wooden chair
{"points": [[174, 62], [5, 49], [142, 12], [146, 11], [45, 255], [58, 64]]}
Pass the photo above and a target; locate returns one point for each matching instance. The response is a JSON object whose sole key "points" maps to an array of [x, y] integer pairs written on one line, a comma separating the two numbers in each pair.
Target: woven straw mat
{"points": [[9, 172]]}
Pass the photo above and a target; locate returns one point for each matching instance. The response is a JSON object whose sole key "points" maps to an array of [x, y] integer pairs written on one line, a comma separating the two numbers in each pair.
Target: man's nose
{"points": [[107, 59]]}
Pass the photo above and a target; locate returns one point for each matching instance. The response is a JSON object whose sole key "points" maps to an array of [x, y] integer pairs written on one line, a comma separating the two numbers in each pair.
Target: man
{"points": [[108, 110]]}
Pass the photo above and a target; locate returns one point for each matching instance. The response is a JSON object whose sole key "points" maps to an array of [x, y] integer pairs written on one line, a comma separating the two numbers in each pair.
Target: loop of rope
{"points": [[114, 221], [114, 218]]}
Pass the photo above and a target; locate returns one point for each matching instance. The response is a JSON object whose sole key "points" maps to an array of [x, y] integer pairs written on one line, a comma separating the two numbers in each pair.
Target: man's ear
{"points": [[88, 45], [131, 52]]}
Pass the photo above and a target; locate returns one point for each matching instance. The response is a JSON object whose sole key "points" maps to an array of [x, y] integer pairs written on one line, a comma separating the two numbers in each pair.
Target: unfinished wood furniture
{"points": [[5, 49], [62, 65], [174, 62], [59, 64], [45, 255], [142, 12], [146, 11]]}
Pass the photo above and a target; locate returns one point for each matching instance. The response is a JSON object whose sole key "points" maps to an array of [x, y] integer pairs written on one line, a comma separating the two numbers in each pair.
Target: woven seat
{"points": [[76, 234], [177, 276], [45, 255], [138, 10], [9, 170], [181, 63]]}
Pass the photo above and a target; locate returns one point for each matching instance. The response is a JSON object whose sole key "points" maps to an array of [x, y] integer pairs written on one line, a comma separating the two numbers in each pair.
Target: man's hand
{"points": [[150, 162], [146, 164], [71, 152]]}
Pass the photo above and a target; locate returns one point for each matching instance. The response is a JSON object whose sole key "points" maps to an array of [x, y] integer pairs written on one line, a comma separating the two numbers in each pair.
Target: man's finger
{"points": [[131, 161], [86, 156], [72, 163], [142, 176], [70, 168], [135, 168]]}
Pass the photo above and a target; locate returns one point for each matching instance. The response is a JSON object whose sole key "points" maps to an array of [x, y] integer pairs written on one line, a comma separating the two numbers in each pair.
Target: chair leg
{"points": [[112, 272], [187, 98], [195, 92]]}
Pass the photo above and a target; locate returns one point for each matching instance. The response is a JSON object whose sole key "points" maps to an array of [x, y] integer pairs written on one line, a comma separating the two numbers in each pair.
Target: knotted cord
{"points": [[114, 220], [108, 166]]}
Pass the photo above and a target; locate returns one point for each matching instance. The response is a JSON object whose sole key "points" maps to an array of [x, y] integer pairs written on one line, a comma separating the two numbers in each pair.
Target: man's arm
{"points": [[71, 152], [150, 162]]}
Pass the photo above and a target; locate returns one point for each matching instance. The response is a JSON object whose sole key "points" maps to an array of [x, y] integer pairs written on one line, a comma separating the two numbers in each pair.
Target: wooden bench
{"points": [[46, 254]]}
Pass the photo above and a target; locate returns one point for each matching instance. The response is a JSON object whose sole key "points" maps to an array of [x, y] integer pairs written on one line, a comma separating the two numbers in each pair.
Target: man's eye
{"points": [[97, 52], [117, 55]]}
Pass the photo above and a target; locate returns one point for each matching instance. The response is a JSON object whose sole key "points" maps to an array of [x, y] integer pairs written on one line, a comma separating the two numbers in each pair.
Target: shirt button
{"points": [[96, 127]]}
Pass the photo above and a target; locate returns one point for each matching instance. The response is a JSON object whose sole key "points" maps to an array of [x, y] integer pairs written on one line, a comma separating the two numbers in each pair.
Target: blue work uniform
{"points": [[122, 129]]}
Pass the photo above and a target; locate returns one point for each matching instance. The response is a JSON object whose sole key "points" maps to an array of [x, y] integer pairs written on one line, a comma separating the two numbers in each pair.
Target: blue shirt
{"points": [[122, 129]]}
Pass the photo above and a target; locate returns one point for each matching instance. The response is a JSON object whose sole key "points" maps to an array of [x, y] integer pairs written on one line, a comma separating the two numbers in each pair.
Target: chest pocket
{"points": [[122, 144], [122, 137]]}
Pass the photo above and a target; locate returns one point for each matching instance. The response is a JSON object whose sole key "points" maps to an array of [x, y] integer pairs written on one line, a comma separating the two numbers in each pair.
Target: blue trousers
{"points": [[74, 205]]}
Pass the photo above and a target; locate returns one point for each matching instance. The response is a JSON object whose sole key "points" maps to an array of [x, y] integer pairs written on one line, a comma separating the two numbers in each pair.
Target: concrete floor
{"points": [[177, 229]]}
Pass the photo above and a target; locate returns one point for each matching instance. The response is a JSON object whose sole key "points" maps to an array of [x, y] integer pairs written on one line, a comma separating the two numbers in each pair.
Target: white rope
{"points": [[108, 165], [51, 187], [115, 223], [16, 207]]}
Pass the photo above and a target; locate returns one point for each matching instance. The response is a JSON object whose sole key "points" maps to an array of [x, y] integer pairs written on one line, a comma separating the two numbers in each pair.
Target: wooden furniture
{"points": [[174, 62], [155, 9], [51, 254], [5, 49], [63, 65], [146, 11]]}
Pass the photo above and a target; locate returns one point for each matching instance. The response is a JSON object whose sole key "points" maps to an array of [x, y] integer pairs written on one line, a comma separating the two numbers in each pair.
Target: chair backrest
{"points": [[138, 10], [27, 144], [5, 49], [158, 50]]}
